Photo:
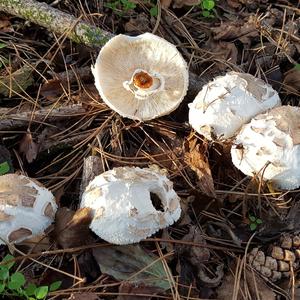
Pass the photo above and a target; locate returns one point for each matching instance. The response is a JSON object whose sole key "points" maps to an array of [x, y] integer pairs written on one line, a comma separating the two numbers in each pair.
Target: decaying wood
{"points": [[56, 21], [10, 119], [92, 166]]}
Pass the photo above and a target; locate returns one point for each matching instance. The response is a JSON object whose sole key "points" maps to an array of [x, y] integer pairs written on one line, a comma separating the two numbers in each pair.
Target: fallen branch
{"points": [[10, 119], [56, 21]]}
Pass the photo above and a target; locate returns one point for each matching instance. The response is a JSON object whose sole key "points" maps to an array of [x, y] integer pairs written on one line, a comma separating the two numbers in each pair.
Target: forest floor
{"points": [[52, 117]]}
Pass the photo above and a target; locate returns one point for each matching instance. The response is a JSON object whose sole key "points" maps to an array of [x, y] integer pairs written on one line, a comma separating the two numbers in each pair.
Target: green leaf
{"points": [[259, 221], [154, 11], [4, 167], [16, 281], [252, 218], [297, 66], [54, 286], [2, 45], [253, 226], [10, 258], [208, 4], [206, 13], [41, 292], [2, 287], [126, 263], [30, 289], [4, 273]]}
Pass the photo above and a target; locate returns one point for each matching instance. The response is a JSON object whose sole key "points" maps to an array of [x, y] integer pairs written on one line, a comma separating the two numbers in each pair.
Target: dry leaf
{"points": [[52, 89], [181, 3], [134, 291], [196, 159], [28, 147], [291, 81], [195, 255], [139, 24], [72, 228], [133, 264], [223, 51], [85, 296], [255, 286], [243, 30]]}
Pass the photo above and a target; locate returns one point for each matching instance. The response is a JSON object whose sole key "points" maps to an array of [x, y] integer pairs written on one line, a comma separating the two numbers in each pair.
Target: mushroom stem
{"points": [[142, 80], [143, 84]]}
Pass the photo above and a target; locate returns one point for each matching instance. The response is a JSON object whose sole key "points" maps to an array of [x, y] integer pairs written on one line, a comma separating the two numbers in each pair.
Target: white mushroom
{"points": [[141, 77], [26, 208], [131, 204], [228, 102], [270, 147]]}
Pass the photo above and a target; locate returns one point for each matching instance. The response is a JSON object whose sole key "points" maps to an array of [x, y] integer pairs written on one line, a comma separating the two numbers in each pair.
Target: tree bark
{"points": [[56, 21]]}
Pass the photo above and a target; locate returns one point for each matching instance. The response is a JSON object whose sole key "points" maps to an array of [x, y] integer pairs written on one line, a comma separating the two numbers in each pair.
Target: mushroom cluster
{"points": [[27, 208], [228, 102], [130, 204], [141, 77], [269, 146]]}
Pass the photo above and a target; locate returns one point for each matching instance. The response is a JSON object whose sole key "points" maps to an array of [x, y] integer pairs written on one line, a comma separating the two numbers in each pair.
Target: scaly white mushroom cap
{"points": [[26, 208], [270, 146], [123, 210], [141, 77], [226, 103]]}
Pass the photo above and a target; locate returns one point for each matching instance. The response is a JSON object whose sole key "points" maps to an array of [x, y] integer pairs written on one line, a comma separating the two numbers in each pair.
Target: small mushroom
{"points": [[228, 102], [142, 77], [270, 147], [27, 208], [130, 204]]}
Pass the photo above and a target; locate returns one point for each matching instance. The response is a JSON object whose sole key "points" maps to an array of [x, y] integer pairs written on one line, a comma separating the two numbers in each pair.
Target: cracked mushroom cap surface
{"points": [[131, 204], [27, 208], [142, 77], [228, 102], [270, 146]]}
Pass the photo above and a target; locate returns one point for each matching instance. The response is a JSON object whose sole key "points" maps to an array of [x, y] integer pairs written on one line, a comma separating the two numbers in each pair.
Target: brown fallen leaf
{"points": [[291, 82], [5, 25], [28, 147], [223, 51], [52, 89], [85, 296], [196, 159], [135, 292], [72, 228], [181, 3], [250, 282], [195, 255], [244, 30], [139, 24]]}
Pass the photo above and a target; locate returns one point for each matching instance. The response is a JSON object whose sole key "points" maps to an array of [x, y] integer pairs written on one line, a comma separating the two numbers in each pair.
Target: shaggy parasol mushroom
{"points": [[142, 77], [26, 208], [228, 102], [130, 204], [270, 147]]}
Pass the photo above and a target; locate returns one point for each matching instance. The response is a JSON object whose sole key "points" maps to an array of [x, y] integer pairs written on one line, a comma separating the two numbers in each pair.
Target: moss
{"points": [[93, 36]]}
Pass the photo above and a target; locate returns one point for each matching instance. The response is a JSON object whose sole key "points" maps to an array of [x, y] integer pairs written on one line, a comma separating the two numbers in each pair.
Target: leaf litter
{"points": [[46, 86]]}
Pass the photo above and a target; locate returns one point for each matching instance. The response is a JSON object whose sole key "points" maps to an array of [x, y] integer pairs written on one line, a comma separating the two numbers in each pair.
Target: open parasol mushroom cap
{"points": [[142, 77], [270, 147], [131, 204], [26, 208], [228, 102]]}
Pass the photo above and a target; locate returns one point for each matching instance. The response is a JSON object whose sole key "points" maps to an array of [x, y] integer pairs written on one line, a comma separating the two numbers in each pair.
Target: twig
{"points": [[9, 119]]}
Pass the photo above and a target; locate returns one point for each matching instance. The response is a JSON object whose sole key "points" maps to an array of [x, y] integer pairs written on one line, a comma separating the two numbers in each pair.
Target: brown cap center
{"points": [[142, 80]]}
